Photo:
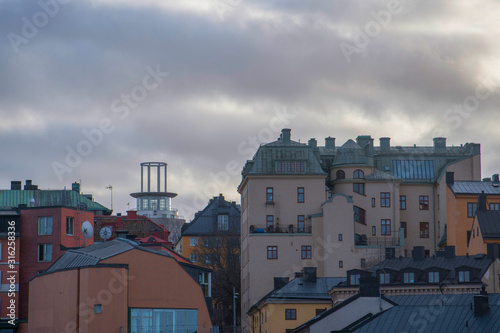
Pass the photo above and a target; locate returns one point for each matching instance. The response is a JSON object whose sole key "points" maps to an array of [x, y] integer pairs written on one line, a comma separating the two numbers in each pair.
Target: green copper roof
{"points": [[46, 198]]}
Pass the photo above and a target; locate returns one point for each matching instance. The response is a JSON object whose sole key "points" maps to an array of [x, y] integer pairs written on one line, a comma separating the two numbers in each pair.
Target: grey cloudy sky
{"points": [[238, 71]]}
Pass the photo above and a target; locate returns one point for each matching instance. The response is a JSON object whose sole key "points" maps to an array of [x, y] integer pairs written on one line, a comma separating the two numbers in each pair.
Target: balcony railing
{"points": [[389, 240], [280, 229]]}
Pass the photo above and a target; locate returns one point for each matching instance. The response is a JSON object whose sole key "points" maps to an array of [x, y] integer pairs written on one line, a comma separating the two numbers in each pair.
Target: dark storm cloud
{"points": [[227, 79]]}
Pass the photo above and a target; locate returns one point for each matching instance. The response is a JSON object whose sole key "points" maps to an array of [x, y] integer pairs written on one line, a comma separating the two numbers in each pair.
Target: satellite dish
{"points": [[87, 230]]}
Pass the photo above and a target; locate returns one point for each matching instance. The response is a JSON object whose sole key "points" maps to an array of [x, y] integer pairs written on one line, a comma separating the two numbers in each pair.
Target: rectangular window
{"points": [[385, 199], [340, 237], [193, 257], [44, 252], [269, 194], [223, 222], [373, 202], [290, 166], [97, 308], [359, 214], [494, 206], [193, 241], [45, 225], [354, 279], [158, 319], [70, 226], [433, 277], [358, 188], [423, 202], [300, 195], [320, 311], [306, 252], [301, 223], [341, 264], [463, 276], [471, 209], [363, 262], [409, 277], [272, 252], [403, 225], [269, 221], [290, 314], [385, 227], [374, 230], [402, 202], [385, 278], [424, 229]]}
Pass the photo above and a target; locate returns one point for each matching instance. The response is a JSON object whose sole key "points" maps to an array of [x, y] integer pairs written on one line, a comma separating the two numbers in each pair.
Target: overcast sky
{"points": [[90, 89]]}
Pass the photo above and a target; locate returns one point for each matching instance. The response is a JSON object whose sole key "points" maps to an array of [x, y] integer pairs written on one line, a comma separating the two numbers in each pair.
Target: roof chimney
{"points": [[310, 274], [493, 251], [481, 307], [313, 143], [495, 179], [385, 143], [449, 251], [330, 143], [481, 201], [439, 144], [15, 185], [286, 135], [280, 282], [450, 177], [418, 253], [369, 286]]}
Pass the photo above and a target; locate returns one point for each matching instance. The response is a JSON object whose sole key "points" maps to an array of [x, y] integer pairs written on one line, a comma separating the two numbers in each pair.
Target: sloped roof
{"points": [[350, 153], [435, 313], [49, 198], [489, 222], [380, 175], [474, 187], [205, 221], [93, 254]]}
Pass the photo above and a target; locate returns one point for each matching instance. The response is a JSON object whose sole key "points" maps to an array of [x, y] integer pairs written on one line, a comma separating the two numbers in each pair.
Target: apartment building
{"points": [[338, 207]]}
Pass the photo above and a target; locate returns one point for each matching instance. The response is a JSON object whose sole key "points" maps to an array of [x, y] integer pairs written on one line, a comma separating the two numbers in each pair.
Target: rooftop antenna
{"points": [[111, 189]]}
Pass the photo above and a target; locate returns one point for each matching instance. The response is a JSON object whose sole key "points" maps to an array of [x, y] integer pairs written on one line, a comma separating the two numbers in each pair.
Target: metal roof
{"points": [[489, 222], [93, 254], [48, 198], [435, 313], [301, 288], [474, 187]]}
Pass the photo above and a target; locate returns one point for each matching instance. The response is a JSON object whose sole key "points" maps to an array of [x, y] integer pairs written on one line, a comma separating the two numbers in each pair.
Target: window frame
{"points": [[471, 209], [494, 206], [374, 230], [423, 202], [402, 202], [44, 247], [290, 314], [354, 279], [385, 199], [358, 188], [385, 227], [431, 277], [193, 257], [425, 231], [408, 277], [360, 213], [464, 276], [358, 174], [223, 220], [340, 174], [44, 225], [71, 225], [301, 220], [272, 252], [306, 252], [269, 221], [404, 227], [301, 195], [193, 241], [269, 194]]}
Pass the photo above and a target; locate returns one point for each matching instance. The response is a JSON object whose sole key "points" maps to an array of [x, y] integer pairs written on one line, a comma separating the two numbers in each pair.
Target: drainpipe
{"points": [[434, 212]]}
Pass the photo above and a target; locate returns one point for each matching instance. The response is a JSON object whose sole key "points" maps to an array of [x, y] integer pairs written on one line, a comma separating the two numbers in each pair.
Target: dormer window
{"points": [[385, 278], [433, 277], [354, 279], [463, 276], [409, 277]]}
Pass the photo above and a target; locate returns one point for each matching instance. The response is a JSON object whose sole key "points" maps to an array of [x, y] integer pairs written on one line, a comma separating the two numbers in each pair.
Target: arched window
{"points": [[340, 174], [359, 174]]}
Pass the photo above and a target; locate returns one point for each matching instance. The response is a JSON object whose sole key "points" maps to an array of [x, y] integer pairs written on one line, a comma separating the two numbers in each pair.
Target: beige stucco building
{"points": [[341, 208]]}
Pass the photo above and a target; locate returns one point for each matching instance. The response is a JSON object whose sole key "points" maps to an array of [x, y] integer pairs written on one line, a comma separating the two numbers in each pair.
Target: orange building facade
{"points": [[124, 288]]}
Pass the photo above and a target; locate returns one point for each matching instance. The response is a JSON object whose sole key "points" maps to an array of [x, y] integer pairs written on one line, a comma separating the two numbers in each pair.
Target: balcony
{"points": [[384, 241], [279, 229]]}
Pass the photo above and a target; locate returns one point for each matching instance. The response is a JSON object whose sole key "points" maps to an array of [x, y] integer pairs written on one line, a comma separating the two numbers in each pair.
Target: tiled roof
{"points": [[489, 222], [474, 187], [435, 313], [47, 198]]}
